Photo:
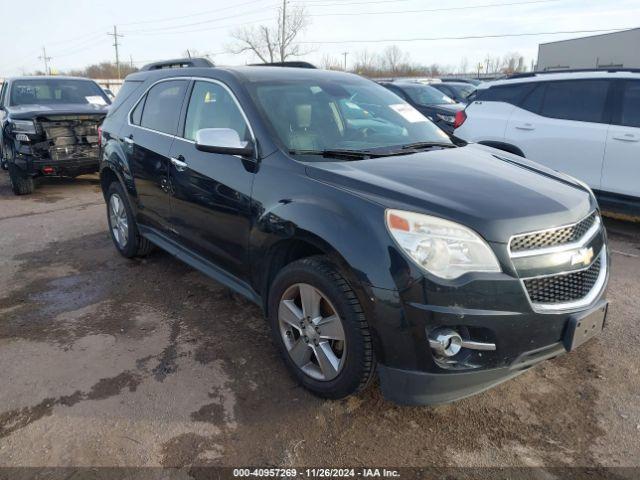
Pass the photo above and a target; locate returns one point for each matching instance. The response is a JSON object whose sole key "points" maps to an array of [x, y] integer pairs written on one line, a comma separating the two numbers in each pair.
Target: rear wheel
{"points": [[320, 329], [122, 226], [21, 184]]}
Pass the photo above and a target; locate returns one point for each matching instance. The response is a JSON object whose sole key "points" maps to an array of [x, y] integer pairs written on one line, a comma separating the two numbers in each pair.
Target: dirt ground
{"points": [[110, 362]]}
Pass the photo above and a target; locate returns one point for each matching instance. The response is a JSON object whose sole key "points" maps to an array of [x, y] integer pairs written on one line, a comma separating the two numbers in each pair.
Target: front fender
{"points": [[346, 224]]}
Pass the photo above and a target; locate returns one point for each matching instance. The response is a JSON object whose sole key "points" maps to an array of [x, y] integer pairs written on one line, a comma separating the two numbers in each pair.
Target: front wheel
{"points": [[320, 329], [21, 184], [122, 226]]}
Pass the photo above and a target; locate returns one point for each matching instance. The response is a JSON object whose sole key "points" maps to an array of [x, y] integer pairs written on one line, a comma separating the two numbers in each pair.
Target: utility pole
{"points": [[345, 60], [115, 36], [45, 59], [282, 31]]}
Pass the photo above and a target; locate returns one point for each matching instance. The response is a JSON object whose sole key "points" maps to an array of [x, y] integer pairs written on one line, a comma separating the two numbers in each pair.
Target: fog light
{"points": [[445, 342]]}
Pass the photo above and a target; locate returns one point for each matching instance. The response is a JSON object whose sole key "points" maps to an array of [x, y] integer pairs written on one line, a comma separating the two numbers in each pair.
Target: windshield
{"points": [[51, 91], [355, 115], [426, 96]]}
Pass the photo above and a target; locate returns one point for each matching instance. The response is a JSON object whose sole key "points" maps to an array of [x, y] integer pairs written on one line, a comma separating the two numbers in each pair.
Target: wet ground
{"points": [[107, 361]]}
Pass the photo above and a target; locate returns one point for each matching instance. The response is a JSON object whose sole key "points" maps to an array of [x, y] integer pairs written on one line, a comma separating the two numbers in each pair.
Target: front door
{"points": [[147, 140], [621, 170], [211, 193]]}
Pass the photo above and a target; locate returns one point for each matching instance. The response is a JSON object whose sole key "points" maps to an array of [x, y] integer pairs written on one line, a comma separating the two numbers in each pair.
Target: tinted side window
{"points": [[212, 106], [396, 90], [581, 100], [631, 104], [533, 101], [512, 94], [2, 90], [162, 106], [136, 115], [127, 89]]}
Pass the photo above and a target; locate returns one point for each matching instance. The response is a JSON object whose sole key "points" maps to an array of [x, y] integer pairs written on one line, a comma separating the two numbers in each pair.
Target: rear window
{"points": [[579, 100], [126, 90], [51, 91]]}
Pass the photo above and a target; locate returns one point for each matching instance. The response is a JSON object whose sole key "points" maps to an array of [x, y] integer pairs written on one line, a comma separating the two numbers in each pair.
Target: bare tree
{"points": [[329, 62], [275, 43], [365, 62], [393, 58]]}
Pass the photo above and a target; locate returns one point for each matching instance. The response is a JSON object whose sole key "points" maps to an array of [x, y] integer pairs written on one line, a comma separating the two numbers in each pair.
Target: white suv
{"points": [[586, 124]]}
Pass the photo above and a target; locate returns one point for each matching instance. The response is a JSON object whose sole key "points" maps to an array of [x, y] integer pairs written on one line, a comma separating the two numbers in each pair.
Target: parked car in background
{"points": [[49, 127], [472, 81], [429, 101], [457, 91], [373, 249], [586, 124]]}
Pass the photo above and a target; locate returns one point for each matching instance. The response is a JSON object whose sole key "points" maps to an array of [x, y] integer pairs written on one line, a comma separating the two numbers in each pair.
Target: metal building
{"points": [[610, 50]]}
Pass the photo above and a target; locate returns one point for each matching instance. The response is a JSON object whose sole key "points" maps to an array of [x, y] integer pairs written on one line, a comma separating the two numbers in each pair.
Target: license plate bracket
{"points": [[585, 326]]}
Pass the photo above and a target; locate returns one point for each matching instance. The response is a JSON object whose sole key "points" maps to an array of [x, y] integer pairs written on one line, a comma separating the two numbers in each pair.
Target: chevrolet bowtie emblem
{"points": [[582, 256]]}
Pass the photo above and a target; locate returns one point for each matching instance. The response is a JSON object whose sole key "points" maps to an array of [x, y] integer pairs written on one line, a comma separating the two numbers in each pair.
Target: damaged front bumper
{"points": [[63, 146]]}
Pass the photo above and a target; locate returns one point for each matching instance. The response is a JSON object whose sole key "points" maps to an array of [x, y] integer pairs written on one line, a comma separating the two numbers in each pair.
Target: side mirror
{"points": [[222, 140]]}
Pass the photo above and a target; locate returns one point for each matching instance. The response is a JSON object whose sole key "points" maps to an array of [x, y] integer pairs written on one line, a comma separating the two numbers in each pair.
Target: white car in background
{"points": [[583, 123]]}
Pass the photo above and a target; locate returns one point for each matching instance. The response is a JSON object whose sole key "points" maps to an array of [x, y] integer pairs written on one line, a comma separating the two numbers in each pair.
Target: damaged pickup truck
{"points": [[49, 127]]}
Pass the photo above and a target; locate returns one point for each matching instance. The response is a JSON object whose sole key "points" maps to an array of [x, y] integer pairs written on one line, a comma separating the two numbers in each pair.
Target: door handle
{"points": [[180, 165], [525, 126], [626, 137], [128, 139]]}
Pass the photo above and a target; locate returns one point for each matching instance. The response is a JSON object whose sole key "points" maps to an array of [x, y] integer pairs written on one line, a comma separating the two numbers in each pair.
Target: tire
{"points": [[119, 215], [355, 365], [21, 184]]}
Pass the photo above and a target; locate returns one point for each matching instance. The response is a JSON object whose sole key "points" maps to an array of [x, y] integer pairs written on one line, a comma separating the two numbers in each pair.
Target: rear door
{"points": [[563, 125], [210, 205], [488, 115], [147, 139], [621, 170]]}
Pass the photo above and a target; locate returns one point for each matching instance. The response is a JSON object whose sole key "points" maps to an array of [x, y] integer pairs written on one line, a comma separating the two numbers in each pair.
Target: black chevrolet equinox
{"points": [[374, 245]]}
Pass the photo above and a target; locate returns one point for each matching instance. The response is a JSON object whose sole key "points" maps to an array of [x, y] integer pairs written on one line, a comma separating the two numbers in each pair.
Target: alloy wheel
{"points": [[312, 332], [118, 220]]}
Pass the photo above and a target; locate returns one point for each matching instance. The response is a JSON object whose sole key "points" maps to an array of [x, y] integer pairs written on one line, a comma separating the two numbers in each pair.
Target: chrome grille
{"points": [[563, 288], [553, 237]]}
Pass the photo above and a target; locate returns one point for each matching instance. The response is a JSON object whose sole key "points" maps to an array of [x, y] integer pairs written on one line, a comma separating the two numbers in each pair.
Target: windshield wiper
{"points": [[345, 154], [420, 145]]}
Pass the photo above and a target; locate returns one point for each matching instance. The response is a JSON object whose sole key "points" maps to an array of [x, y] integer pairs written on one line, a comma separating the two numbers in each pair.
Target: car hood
{"points": [[27, 112], [495, 193]]}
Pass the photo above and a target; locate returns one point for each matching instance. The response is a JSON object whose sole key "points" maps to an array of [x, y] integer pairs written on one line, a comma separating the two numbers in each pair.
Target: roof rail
{"points": [[178, 63], [574, 70], [294, 64]]}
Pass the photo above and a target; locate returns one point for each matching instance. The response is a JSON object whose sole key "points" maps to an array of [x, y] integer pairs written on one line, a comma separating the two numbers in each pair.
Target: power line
{"points": [[468, 37], [445, 9], [166, 19], [203, 22], [207, 29]]}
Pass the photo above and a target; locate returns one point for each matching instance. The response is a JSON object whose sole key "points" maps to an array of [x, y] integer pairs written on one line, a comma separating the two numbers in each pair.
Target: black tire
{"points": [[21, 184], [136, 245], [359, 364]]}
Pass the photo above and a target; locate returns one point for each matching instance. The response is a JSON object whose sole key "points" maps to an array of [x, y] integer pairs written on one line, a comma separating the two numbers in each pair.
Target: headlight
{"points": [[23, 126], [443, 248], [446, 118]]}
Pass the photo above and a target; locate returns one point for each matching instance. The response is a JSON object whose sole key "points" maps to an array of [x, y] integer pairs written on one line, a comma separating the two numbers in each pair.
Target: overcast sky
{"points": [[74, 32]]}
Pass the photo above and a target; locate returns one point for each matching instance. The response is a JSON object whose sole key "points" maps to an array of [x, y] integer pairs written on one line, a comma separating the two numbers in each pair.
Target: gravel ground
{"points": [[111, 362]]}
